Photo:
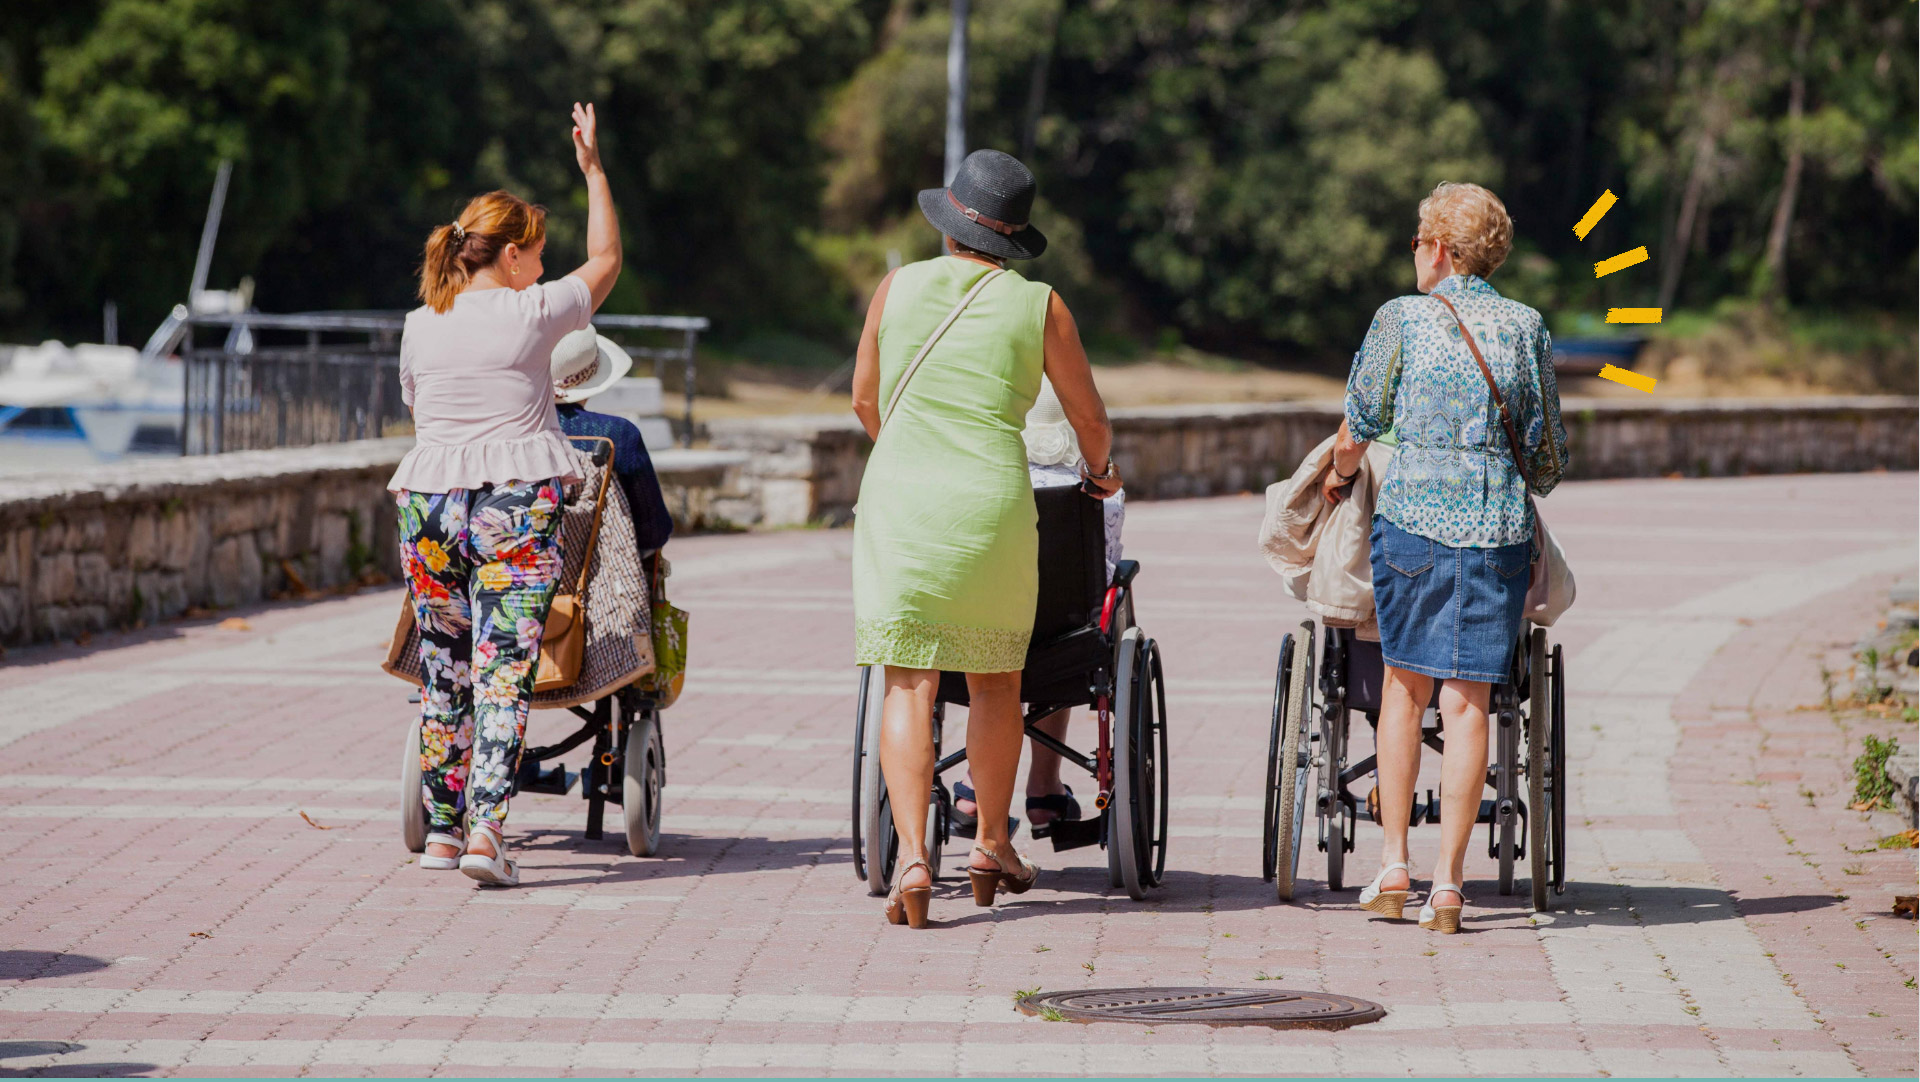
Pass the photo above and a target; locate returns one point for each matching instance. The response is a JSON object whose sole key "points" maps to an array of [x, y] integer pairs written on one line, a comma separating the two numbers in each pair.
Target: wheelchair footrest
{"points": [[556, 782], [1070, 833]]}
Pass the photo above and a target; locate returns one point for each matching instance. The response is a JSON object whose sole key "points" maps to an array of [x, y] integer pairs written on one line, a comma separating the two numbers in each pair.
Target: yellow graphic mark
{"points": [[1633, 315], [1628, 379], [1594, 213], [1620, 262]]}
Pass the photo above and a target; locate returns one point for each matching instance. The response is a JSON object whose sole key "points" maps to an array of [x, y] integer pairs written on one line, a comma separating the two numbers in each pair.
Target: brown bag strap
{"points": [[1506, 422], [599, 505]]}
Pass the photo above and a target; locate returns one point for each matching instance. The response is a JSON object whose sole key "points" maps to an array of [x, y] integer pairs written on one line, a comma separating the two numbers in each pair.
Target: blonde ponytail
{"points": [[475, 240]]}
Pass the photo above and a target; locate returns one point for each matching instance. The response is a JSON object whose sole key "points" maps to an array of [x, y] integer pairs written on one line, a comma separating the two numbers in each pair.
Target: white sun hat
{"points": [[585, 363], [1050, 439]]}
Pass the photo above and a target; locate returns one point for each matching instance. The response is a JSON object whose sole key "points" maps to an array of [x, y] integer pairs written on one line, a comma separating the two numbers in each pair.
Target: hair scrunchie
{"points": [[459, 232]]}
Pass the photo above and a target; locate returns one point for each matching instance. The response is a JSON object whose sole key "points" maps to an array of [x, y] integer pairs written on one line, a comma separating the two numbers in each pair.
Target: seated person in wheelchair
{"points": [[1053, 460], [584, 364]]}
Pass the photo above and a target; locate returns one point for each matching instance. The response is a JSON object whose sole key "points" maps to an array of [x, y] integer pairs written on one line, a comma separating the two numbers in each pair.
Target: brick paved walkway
{"points": [[167, 909]]}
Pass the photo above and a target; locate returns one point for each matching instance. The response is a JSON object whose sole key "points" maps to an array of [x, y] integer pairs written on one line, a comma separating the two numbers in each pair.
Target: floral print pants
{"points": [[481, 565]]}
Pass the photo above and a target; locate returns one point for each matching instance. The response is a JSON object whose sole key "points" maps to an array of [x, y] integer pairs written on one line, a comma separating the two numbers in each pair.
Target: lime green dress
{"points": [[944, 548]]}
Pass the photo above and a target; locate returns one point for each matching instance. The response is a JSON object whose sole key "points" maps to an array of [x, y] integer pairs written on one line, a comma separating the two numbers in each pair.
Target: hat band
{"points": [[973, 215], [568, 383]]}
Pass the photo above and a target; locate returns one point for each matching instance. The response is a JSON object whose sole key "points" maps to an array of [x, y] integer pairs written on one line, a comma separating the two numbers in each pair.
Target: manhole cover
{"points": [[1278, 1007]]}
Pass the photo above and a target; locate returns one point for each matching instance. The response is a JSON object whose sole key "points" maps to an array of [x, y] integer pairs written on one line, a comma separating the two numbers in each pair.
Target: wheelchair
{"points": [[1307, 759], [626, 760], [1086, 651]]}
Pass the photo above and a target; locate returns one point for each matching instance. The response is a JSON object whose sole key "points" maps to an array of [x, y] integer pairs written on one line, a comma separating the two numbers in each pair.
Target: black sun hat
{"points": [[987, 206]]}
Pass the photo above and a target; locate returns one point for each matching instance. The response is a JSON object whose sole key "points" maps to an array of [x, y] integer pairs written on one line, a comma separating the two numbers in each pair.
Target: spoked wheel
{"points": [[1291, 768], [1276, 740], [644, 781], [1136, 846], [1506, 813], [1539, 719], [1334, 822], [1557, 784], [413, 809], [872, 823]]}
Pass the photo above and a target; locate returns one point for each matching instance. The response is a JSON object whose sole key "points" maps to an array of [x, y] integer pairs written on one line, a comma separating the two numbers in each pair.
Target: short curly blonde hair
{"points": [[1470, 222]]}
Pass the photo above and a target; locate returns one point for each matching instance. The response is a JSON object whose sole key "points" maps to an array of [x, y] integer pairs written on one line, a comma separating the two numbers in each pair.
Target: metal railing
{"points": [[329, 377]]}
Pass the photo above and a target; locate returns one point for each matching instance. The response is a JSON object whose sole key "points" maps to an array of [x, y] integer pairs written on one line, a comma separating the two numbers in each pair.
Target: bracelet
{"points": [[1343, 478], [1107, 476]]}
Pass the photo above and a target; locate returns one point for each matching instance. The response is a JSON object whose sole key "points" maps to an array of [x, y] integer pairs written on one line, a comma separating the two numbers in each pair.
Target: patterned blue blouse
{"points": [[1453, 479]]}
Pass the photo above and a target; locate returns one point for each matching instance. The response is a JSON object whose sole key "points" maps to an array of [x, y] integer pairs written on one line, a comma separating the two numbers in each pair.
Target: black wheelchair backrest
{"points": [[1073, 561]]}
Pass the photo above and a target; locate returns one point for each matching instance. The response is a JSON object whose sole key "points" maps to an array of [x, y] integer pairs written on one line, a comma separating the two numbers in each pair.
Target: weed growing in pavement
{"points": [[1048, 1014], [1429, 954], [1906, 839], [1871, 786], [1692, 1010], [1854, 869], [1022, 993], [1226, 935], [1807, 795], [1263, 975], [1088, 966], [1909, 982]]}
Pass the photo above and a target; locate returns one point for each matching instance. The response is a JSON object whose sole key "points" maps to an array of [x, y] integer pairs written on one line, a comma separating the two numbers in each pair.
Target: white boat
{"points": [[65, 406]]}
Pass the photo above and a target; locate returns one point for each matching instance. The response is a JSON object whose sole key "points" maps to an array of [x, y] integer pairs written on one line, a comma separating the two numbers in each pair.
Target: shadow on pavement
{"points": [[19, 965], [679, 855], [35, 1049]]}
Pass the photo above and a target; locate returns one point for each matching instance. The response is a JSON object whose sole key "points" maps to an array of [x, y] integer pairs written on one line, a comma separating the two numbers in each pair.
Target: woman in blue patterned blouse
{"points": [[1453, 526]]}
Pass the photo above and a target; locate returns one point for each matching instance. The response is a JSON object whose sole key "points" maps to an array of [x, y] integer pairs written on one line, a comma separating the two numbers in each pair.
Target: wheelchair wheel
{"points": [[872, 822], [1335, 826], [1288, 791], [1539, 718], [1557, 784], [1136, 847], [1506, 811], [645, 781], [413, 811], [1276, 737]]}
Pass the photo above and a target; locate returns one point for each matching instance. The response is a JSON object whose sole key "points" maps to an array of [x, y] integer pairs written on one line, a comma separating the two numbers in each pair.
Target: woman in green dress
{"points": [[945, 552]]}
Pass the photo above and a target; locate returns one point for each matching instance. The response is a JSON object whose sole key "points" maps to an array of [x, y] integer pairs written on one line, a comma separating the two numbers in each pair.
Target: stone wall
{"points": [[139, 542], [1167, 452]]}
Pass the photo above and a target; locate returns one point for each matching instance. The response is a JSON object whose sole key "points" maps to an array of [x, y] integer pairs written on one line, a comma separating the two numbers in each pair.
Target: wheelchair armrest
{"points": [[601, 453], [1124, 571]]}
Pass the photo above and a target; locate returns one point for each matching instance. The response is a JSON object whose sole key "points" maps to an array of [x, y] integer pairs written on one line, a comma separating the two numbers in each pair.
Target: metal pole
{"points": [[957, 89], [690, 338], [204, 261]]}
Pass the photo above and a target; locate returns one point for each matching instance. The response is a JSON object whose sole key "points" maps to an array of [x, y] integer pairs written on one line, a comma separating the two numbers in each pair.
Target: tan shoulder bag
{"points": [[563, 643]]}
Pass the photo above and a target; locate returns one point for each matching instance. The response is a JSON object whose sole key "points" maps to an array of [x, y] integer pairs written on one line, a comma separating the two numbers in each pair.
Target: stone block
{"points": [[177, 539], [88, 533], [13, 614], [234, 572], [16, 556], [52, 536], [158, 595], [330, 543], [53, 580], [143, 541], [90, 573]]}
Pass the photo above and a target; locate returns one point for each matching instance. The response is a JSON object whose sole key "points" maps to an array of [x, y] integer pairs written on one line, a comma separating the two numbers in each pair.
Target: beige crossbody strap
{"points": [[927, 346]]}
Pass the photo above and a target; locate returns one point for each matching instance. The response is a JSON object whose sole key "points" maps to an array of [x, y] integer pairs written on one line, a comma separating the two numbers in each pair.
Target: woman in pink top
{"points": [[479, 495]]}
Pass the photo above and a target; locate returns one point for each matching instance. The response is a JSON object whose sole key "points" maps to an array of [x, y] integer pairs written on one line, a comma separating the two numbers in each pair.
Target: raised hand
{"points": [[586, 138]]}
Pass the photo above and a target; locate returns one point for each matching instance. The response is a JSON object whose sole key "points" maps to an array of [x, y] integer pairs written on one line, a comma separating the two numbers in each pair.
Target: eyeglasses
{"points": [[1415, 243]]}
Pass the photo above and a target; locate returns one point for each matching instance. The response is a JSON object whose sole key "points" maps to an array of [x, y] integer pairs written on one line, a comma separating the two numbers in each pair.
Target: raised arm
{"points": [[602, 267], [866, 363], [1066, 365]]}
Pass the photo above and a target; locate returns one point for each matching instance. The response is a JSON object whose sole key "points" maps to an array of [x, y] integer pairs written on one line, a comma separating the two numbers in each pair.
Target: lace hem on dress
{"points": [[917, 644], [445, 467]]}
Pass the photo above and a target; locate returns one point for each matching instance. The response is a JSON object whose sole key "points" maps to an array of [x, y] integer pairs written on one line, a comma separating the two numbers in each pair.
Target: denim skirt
{"points": [[1447, 612]]}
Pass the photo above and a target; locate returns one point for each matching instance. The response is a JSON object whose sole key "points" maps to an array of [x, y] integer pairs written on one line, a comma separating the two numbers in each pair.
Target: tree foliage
{"points": [[1242, 175]]}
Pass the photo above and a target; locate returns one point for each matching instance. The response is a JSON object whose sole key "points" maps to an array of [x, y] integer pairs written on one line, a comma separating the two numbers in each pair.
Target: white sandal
{"points": [[1387, 903], [493, 871], [1444, 919], [443, 864]]}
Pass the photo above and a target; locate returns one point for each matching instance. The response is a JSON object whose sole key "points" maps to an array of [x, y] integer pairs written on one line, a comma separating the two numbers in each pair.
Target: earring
{"points": [[513, 270]]}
